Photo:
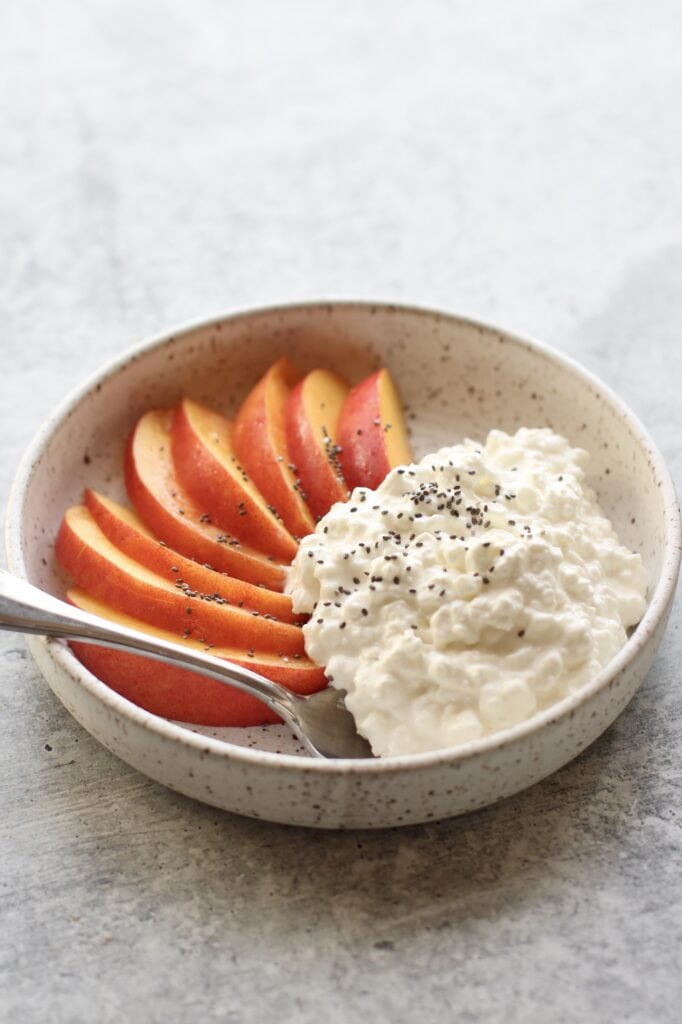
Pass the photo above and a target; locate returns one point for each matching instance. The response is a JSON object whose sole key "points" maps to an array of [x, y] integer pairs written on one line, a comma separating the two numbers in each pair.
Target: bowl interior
{"points": [[456, 378]]}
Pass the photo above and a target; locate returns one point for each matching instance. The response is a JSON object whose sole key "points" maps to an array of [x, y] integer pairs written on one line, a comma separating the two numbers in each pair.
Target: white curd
{"points": [[467, 592]]}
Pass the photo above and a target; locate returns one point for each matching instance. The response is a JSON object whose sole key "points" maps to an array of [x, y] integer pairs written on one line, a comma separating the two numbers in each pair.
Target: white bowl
{"points": [[457, 378]]}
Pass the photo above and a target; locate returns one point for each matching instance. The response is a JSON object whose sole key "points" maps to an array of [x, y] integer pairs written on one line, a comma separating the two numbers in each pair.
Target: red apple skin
{"points": [[311, 420], [128, 533], [99, 568], [372, 432], [166, 508], [209, 468], [260, 441], [171, 692], [182, 695]]}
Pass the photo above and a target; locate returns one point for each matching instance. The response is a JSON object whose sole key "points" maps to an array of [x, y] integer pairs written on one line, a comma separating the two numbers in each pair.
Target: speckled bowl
{"points": [[457, 378]]}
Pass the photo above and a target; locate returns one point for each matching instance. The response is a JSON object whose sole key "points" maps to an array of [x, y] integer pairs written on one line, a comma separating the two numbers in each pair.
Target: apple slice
{"points": [[165, 507], [129, 534], [311, 418], [99, 567], [208, 467], [260, 442], [182, 695], [372, 432]]}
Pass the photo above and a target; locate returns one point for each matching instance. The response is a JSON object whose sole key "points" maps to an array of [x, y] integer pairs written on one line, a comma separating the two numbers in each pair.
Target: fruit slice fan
{"points": [[218, 508]]}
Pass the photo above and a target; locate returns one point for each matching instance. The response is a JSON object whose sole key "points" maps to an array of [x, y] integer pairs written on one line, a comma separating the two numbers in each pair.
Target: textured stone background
{"points": [[161, 161]]}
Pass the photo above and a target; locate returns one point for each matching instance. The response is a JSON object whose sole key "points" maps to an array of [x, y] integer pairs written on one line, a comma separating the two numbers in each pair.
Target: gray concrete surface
{"points": [[161, 161]]}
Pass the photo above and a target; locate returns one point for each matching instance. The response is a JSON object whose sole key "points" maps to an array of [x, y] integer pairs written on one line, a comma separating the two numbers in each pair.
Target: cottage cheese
{"points": [[467, 592]]}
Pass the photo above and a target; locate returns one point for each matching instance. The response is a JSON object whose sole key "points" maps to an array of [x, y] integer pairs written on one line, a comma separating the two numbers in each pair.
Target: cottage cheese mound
{"points": [[467, 592]]}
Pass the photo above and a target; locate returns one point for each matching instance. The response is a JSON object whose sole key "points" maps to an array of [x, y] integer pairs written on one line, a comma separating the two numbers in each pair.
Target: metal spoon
{"points": [[321, 721]]}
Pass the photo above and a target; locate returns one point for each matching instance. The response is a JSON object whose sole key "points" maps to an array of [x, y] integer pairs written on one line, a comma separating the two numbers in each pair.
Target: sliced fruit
{"points": [[182, 695], [372, 431], [260, 441], [311, 419], [129, 534], [99, 567], [208, 467], [165, 507]]}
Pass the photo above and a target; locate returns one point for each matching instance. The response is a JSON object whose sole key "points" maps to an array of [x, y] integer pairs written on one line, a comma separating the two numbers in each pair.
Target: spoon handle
{"points": [[26, 609]]}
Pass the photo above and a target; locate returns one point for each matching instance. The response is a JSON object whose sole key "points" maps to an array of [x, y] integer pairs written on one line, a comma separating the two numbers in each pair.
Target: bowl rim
{"points": [[169, 730]]}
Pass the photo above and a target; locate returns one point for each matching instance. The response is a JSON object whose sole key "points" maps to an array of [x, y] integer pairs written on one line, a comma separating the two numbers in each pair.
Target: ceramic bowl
{"points": [[457, 378]]}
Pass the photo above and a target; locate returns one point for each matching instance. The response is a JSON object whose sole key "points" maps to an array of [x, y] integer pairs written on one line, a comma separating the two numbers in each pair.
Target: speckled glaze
{"points": [[457, 378]]}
